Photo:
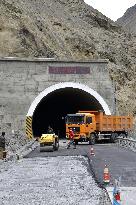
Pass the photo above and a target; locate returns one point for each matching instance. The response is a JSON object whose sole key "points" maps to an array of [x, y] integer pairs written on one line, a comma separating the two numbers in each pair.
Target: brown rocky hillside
{"points": [[70, 29], [128, 20]]}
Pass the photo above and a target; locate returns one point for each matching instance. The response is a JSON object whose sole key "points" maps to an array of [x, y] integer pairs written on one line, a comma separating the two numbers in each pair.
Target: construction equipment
{"points": [[50, 141], [94, 125]]}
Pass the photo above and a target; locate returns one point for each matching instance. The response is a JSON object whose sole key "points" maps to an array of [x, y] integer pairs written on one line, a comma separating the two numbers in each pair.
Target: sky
{"points": [[113, 9]]}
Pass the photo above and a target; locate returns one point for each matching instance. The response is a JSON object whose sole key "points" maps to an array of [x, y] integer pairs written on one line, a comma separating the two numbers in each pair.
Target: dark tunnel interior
{"points": [[53, 108]]}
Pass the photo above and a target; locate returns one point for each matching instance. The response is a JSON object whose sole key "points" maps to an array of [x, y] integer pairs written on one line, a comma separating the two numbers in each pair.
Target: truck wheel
{"points": [[122, 135], [113, 137], [76, 142], [92, 139]]}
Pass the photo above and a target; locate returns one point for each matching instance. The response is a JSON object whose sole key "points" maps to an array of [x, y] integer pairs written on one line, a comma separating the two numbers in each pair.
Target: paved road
{"points": [[121, 162]]}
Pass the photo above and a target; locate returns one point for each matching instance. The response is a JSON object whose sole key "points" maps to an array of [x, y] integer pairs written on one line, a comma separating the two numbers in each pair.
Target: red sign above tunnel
{"points": [[69, 70]]}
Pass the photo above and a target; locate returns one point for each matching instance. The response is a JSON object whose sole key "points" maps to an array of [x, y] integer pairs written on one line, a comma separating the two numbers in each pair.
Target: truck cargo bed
{"points": [[113, 123]]}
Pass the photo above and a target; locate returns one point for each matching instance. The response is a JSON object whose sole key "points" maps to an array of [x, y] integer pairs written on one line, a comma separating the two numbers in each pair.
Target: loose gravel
{"points": [[50, 181]]}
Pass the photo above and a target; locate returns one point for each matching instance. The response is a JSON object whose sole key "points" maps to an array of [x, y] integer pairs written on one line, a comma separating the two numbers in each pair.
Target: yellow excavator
{"points": [[50, 141]]}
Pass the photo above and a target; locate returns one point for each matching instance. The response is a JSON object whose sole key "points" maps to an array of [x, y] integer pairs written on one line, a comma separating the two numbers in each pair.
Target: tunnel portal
{"points": [[52, 89], [53, 108]]}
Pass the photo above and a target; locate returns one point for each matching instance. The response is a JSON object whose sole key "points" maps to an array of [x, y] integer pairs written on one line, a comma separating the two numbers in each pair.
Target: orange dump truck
{"points": [[92, 126]]}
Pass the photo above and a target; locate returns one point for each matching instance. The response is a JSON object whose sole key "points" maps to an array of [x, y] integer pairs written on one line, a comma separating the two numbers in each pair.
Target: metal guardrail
{"points": [[127, 143]]}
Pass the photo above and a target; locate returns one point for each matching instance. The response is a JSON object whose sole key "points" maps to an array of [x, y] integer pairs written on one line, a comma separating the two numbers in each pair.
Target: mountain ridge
{"points": [[128, 20], [70, 29]]}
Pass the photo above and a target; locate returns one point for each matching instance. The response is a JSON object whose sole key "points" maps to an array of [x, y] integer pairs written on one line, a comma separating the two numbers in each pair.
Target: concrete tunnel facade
{"points": [[52, 105], [36, 92]]}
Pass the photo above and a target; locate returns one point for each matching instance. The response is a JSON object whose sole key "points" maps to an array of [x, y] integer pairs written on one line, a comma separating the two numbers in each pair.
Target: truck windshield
{"points": [[75, 119]]}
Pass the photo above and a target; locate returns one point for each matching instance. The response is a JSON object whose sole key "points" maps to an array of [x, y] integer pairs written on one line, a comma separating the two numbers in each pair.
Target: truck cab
{"points": [[83, 125]]}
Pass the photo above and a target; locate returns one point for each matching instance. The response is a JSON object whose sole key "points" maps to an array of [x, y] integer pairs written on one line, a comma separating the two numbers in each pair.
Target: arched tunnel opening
{"points": [[54, 107]]}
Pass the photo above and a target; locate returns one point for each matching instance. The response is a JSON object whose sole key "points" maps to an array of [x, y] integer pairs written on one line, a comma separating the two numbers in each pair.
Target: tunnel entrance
{"points": [[52, 105], [53, 108]]}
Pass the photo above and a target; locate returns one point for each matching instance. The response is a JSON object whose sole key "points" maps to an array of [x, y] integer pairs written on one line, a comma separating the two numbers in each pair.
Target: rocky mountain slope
{"points": [[70, 29], [128, 20]]}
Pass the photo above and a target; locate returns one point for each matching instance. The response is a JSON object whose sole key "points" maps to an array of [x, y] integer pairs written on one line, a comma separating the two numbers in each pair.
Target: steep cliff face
{"points": [[63, 29], [128, 20], [70, 29]]}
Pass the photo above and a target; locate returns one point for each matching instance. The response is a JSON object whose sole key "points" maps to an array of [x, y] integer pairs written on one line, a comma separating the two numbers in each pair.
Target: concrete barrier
{"points": [[127, 143]]}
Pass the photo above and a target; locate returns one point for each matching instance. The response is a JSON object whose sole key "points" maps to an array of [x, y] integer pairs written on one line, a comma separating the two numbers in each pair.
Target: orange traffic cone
{"points": [[92, 151], [106, 175]]}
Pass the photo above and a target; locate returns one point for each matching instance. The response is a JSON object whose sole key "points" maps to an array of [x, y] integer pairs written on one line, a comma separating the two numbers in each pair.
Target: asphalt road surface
{"points": [[121, 162]]}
